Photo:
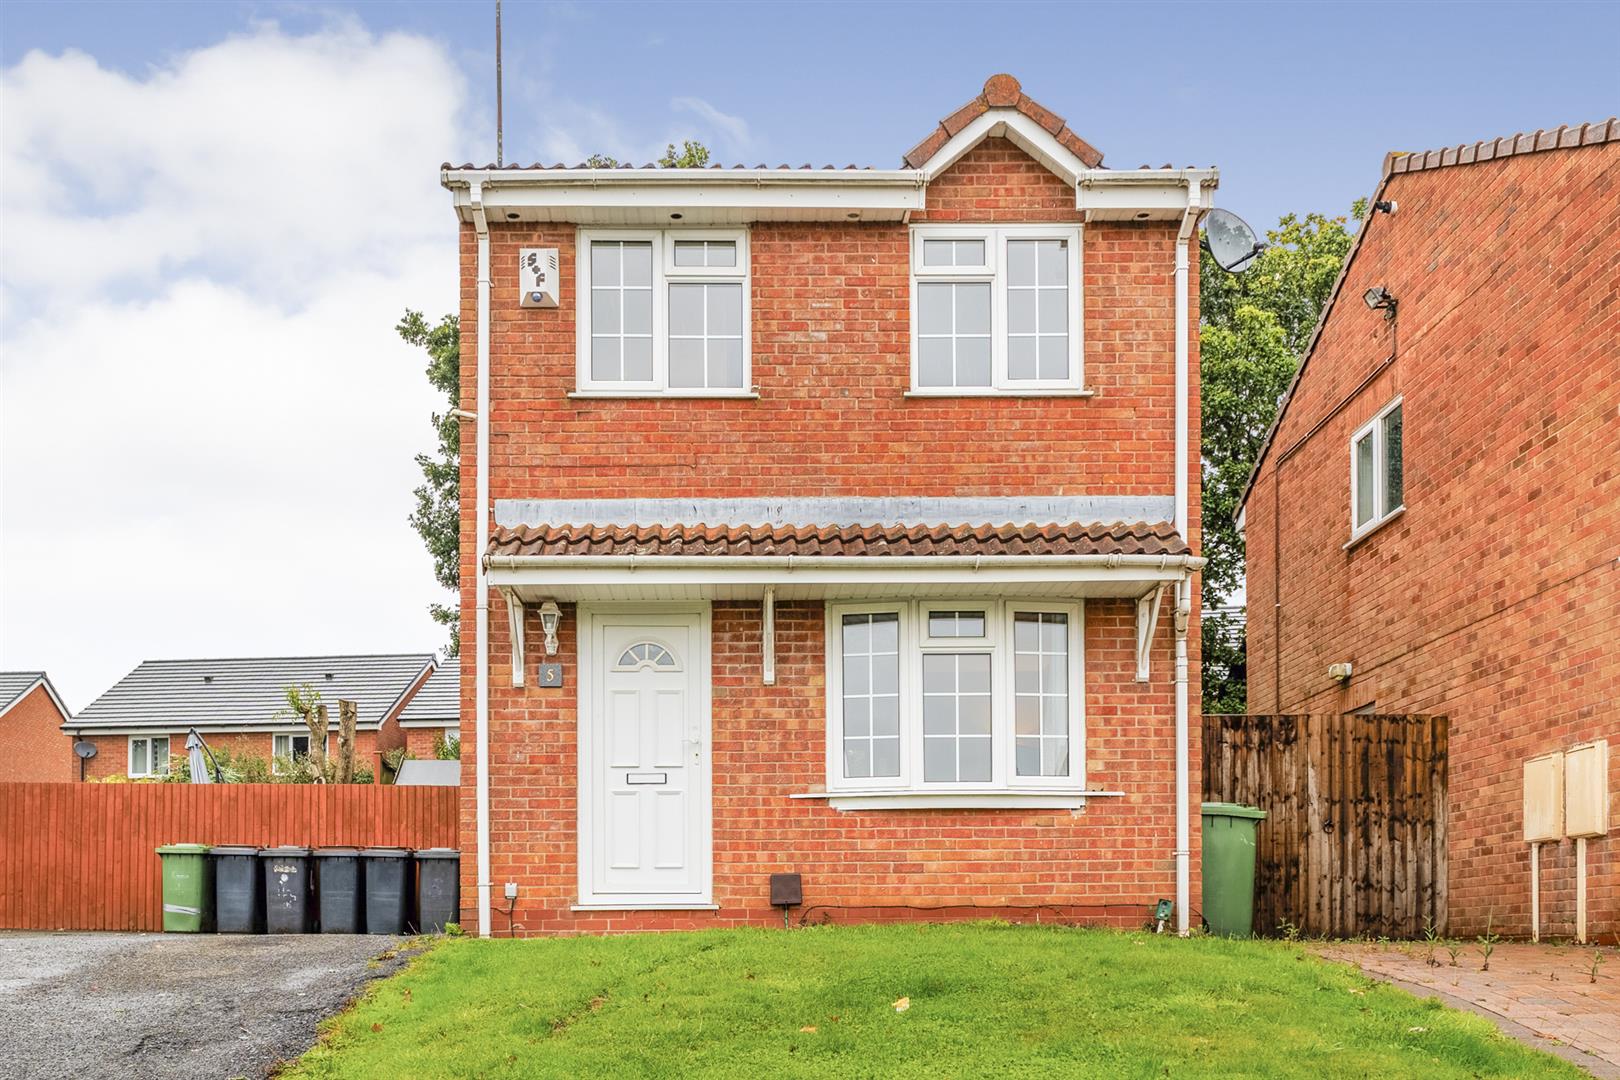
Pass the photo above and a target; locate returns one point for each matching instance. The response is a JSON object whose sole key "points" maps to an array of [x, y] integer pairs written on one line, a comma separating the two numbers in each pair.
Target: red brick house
{"points": [[837, 522], [140, 724], [433, 712], [32, 746], [1438, 504]]}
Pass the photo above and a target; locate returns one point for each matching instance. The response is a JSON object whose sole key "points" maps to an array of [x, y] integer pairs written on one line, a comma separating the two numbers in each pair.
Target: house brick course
{"points": [[831, 361], [35, 748], [1494, 598]]}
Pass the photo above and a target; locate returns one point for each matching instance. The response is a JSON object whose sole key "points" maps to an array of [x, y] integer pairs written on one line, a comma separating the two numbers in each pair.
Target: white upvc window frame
{"points": [[914, 644], [664, 274], [1380, 514], [152, 767], [995, 239], [277, 736]]}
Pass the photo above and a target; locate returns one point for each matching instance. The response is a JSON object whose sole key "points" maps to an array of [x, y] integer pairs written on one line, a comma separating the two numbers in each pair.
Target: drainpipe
{"points": [[1184, 237], [481, 585]]}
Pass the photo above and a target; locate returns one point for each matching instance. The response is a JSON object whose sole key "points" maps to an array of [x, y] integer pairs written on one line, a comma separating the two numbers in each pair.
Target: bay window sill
{"points": [[962, 392], [734, 395], [966, 799]]}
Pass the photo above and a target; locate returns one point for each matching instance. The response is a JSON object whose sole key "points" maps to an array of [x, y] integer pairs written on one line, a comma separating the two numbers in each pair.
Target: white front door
{"points": [[644, 809]]}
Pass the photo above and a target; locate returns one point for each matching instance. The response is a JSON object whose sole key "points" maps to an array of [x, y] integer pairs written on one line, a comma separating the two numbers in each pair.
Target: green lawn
{"points": [[986, 1000]]}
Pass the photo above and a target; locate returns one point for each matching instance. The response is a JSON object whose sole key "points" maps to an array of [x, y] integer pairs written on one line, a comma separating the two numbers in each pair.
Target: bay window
{"points": [[995, 310], [974, 697], [663, 312]]}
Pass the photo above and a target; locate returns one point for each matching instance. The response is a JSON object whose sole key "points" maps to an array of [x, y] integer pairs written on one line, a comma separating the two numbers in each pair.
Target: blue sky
{"points": [[212, 215]]}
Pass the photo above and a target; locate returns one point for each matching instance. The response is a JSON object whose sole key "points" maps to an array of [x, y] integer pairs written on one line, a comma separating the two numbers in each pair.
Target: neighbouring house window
{"points": [[288, 747], [941, 697], [149, 755], [995, 309], [663, 312], [1377, 487]]}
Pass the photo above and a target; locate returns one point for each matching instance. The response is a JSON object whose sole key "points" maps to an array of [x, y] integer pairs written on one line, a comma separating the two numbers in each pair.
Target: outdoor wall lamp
{"points": [[1378, 298], [550, 616]]}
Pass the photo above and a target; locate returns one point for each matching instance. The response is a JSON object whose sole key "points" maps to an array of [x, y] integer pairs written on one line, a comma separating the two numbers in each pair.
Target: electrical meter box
{"points": [[539, 281], [1586, 789], [1544, 798]]}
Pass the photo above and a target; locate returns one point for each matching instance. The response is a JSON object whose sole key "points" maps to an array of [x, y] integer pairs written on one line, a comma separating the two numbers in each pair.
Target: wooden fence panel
{"points": [[1354, 841], [80, 856]]}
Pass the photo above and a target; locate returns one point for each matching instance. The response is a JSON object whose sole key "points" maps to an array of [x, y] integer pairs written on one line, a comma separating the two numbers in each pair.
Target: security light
{"points": [[1378, 298]]}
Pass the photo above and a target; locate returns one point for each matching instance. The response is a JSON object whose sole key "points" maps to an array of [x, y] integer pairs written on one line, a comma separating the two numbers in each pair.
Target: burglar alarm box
{"points": [[1544, 798], [1586, 789], [539, 282]]}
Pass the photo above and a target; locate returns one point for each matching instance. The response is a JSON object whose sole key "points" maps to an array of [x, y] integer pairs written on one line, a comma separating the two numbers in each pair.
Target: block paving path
{"points": [[1543, 995]]}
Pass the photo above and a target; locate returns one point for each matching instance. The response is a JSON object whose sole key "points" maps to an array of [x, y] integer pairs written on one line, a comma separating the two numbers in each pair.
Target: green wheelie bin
{"points": [[188, 889], [1229, 867]]}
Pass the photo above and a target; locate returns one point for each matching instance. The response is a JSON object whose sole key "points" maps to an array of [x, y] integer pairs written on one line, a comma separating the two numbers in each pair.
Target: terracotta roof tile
{"points": [[1002, 92], [1120, 538], [1564, 137]]}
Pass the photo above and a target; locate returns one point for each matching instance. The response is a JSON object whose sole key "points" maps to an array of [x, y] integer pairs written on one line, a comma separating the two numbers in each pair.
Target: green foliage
{"points": [[601, 161], [691, 155], [437, 517], [446, 749], [983, 999], [241, 768], [1254, 328]]}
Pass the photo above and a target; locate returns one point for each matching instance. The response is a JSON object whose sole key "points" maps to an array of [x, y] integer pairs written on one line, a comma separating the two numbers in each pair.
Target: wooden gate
{"points": [[1354, 841]]}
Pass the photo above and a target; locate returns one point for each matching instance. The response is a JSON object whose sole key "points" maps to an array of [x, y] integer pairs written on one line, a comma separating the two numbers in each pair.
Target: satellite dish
{"points": [[1229, 239], [85, 749]]}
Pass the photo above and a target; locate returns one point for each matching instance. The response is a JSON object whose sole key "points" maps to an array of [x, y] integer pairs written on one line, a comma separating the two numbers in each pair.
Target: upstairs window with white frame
{"points": [[995, 309], [663, 312], [978, 697], [149, 755], [1377, 486]]}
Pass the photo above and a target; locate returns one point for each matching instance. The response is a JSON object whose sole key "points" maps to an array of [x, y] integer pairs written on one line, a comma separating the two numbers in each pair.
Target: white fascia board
{"points": [[1022, 132], [1142, 194], [446, 723], [575, 192]]}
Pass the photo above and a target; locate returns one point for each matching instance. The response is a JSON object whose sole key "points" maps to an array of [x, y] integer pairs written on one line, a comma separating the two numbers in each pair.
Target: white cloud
{"points": [[207, 421], [734, 138]]}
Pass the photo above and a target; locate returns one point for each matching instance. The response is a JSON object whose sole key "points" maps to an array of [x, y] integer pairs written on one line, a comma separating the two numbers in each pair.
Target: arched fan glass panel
{"points": [[647, 654]]}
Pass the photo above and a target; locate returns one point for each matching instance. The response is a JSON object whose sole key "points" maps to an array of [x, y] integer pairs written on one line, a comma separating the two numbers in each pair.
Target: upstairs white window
{"points": [[995, 310], [967, 697], [1377, 486], [663, 312], [149, 755]]}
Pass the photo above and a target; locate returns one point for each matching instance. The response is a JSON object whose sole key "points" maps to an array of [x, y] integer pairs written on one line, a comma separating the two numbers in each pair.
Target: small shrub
{"points": [[453, 929], [446, 749]]}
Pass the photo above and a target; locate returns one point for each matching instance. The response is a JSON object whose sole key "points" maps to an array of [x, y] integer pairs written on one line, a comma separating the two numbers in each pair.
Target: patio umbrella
{"points": [[194, 756]]}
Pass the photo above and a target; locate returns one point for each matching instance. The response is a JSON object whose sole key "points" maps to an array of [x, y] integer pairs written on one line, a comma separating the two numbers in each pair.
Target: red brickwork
{"points": [[831, 359], [32, 746], [1495, 597]]}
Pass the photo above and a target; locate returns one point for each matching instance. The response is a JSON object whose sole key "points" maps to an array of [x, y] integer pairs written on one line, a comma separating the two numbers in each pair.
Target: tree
{"points": [[437, 518], [348, 720], [1254, 329], [304, 705]]}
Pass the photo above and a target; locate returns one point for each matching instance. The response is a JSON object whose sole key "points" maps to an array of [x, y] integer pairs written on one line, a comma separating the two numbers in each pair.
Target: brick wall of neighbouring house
{"points": [[32, 746], [1495, 597], [420, 741], [831, 359], [1107, 863], [112, 751]]}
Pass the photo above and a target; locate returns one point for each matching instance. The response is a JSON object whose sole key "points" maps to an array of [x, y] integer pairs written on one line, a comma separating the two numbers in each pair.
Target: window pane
{"points": [[686, 309], [1054, 260], [688, 253], [970, 253], [1021, 262], [973, 361], [605, 313], [1021, 353], [638, 359], [604, 264], [725, 362], [160, 756], [956, 624], [638, 265], [638, 311], [871, 703], [933, 308], [934, 362], [1054, 310], [1394, 488], [605, 359], [938, 253], [1021, 311], [1054, 352], [686, 362], [722, 253], [1364, 479], [1041, 692], [137, 757], [725, 309], [956, 716], [973, 308]]}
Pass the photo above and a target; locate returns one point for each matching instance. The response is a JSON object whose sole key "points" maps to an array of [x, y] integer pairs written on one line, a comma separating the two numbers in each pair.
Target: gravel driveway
{"points": [[150, 1005]]}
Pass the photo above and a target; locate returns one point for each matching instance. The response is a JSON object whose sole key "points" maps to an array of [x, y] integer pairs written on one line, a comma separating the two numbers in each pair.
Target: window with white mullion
{"points": [[149, 755], [1041, 727], [621, 311], [705, 335], [956, 710], [953, 334], [1037, 310], [870, 683]]}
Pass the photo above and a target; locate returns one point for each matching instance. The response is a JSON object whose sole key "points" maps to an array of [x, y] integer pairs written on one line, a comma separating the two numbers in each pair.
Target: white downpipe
{"points": [[1183, 851], [481, 586], [1183, 809]]}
